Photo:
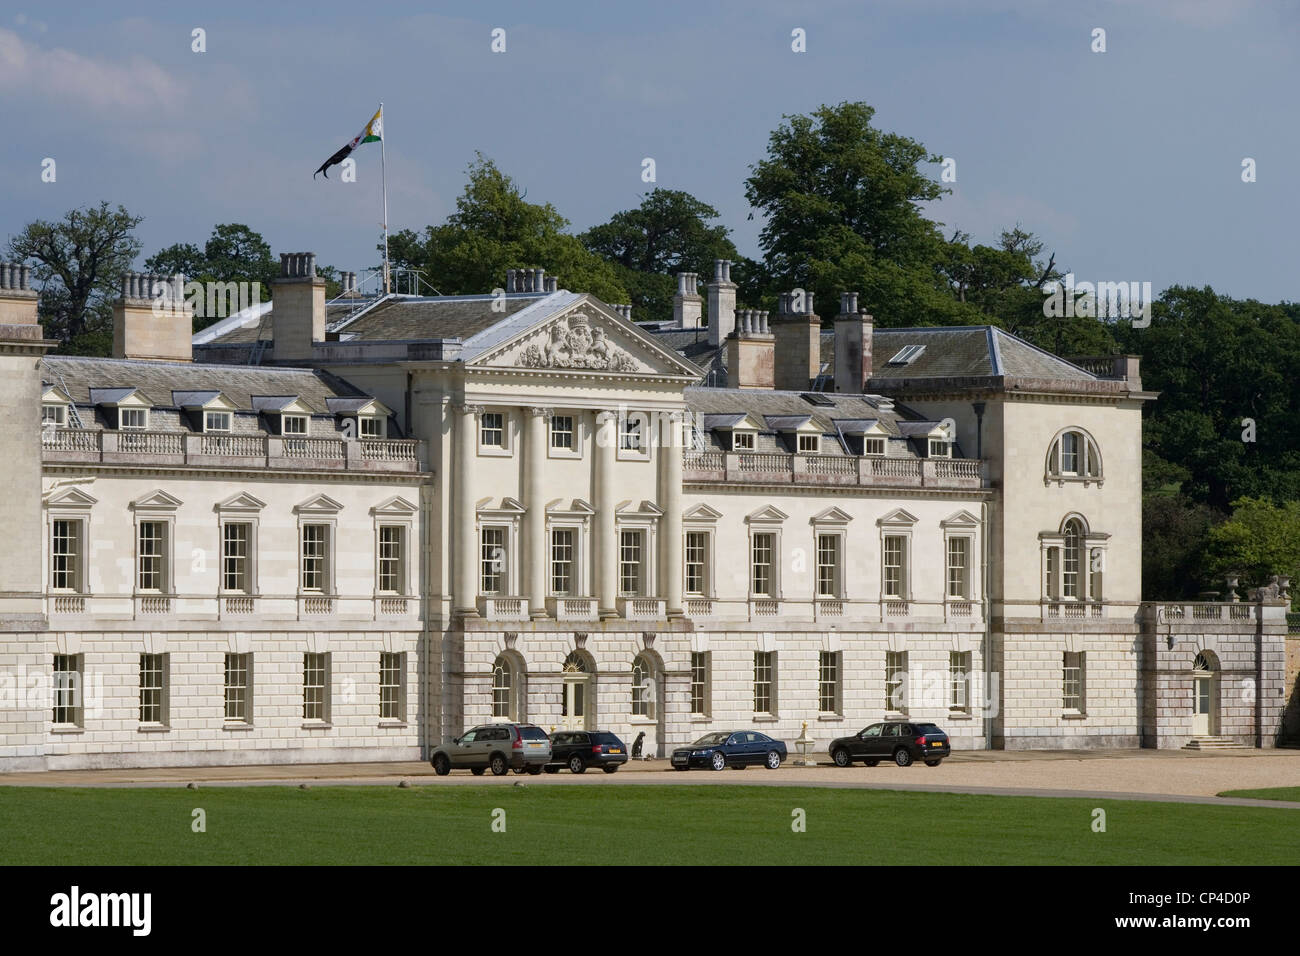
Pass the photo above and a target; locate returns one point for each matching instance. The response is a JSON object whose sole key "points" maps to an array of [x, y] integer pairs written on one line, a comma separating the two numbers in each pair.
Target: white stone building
{"points": [[343, 531]]}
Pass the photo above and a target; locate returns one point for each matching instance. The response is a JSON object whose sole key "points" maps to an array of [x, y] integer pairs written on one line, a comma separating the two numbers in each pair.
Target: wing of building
{"points": [[347, 530]]}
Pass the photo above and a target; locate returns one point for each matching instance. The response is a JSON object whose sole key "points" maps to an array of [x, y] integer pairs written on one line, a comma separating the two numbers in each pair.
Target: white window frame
{"points": [[378, 424], [967, 544], [701, 674], [403, 572], [645, 707], [122, 414], [867, 446], [327, 570], [506, 448], [220, 415], [896, 675], [743, 439], [574, 531], [506, 665], [577, 435], [162, 689], [939, 448], [323, 664], [642, 450], [706, 563], [772, 539], [959, 682], [814, 443], [644, 560], [249, 557], [904, 540], [78, 525], [765, 664], [1074, 676], [1089, 463], [60, 417], [73, 691], [836, 682], [167, 562], [503, 553], [298, 420], [392, 694], [242, 665]]}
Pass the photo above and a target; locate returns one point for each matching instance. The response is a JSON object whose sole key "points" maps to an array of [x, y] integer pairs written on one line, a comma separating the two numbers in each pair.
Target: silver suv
{"points": [[500, 747]]}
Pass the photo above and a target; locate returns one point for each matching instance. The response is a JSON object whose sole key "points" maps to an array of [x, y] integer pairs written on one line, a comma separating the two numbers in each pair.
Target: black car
{"points": [[580, 749], [739, 748], [900, 741]]}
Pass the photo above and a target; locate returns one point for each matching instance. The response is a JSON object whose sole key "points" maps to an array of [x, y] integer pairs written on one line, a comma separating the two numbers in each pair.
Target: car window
{"points": [[581, 739], [711, 740], [606, 739], [891, 730], [759, 738], [532, 733], [468, 738], [500, 733], [736, 739], [559, 740], [928, 729], [873, 730]]}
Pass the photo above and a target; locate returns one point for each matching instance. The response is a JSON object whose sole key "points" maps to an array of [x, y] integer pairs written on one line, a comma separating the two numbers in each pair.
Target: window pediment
{"points": [[898, 518], [768, 514], [70, 498], [832, 515], [318, 505], [394, 507], [158, 500], [242, 501]]}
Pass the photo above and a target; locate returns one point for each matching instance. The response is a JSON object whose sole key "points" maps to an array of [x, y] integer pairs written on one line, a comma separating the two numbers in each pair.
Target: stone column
{"points": [[605, 543], [465, 577], [535, 515], [670, 500]]}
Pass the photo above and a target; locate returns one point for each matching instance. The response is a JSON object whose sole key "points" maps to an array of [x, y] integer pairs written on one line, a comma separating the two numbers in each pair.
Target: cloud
{"points": [[66, 78]]}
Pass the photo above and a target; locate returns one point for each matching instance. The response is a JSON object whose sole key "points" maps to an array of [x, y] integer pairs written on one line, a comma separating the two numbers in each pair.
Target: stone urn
{"points": [[1231, 582], [803, 744]]}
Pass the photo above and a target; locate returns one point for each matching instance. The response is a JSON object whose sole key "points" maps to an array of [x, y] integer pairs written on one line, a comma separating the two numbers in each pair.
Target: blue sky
{"points": [[1127, 163]]}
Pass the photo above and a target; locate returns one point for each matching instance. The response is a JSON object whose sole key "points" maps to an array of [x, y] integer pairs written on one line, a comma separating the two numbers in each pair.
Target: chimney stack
{"points": [[151, 319], [298, 312], [552, 284], [722, 303], [798, 341], [18, 299], [688, 306], [853, 333], [751, 351]]}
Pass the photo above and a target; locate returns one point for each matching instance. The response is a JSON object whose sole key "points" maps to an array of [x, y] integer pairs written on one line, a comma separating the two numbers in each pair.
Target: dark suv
{"points": [[900, 741], [580, 749], [498, 747]]}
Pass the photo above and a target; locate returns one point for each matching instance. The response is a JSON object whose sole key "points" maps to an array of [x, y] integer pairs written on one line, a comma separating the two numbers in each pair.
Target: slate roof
{"points": [[157, 381], [950, 352]]}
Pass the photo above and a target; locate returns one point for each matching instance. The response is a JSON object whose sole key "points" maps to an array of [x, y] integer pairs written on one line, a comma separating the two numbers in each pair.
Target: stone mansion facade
{"points": [[345, 530]]}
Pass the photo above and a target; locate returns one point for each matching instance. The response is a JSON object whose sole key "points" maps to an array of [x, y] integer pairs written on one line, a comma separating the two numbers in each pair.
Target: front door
{"points": [[575, 711], [1202, 697]]}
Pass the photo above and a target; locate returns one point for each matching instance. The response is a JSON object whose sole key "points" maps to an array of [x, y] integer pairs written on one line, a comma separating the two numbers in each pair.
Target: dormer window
{"points": [[217, 421], [940, 448], [873, 446], [133, 418], [54, 415], [742, 441], [293, 424], [371, 426], [810, 444]]}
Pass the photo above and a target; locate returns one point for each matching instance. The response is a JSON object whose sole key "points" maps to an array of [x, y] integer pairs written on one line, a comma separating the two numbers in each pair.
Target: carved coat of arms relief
{"points": [[573, 342]]}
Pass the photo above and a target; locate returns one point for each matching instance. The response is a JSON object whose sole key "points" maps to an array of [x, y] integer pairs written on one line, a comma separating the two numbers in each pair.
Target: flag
{"points": [[373, 133]]}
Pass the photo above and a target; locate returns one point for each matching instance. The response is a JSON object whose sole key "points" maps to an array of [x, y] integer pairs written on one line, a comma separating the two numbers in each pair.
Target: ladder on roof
{"points": [[825, 380], [73, 417], [259, 349]]}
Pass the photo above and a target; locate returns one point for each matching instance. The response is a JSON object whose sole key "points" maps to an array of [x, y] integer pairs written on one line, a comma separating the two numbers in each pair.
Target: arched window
{"points": [[1070, 559], [503, 690], [643, 687], [1073, 456]]}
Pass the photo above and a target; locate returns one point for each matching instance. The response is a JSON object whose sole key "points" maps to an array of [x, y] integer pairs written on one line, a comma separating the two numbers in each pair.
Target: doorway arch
{"points": [[578, 701], [1205, 694], [648, 700]]}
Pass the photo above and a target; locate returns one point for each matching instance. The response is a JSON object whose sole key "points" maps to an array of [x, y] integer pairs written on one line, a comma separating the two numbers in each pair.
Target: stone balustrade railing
{"points": [[88, 445], [778, 468]]}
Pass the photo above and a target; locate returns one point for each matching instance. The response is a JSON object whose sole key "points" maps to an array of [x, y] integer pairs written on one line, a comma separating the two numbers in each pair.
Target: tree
{"points": [[842, 201], [493, 229], [669, 232], [1259, 540], [80, 260]]}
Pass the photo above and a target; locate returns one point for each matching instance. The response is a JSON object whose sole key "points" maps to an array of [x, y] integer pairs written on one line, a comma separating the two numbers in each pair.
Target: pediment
{"points": [[565, 507], [70, 498], [767, 513], [832, 515], [961, 519], [587, 337], [157, 500], [898, 517], [394, 507], [701, 512], [318, 505], [507, 505], [241, 501], [643, 508], [52, 393]]}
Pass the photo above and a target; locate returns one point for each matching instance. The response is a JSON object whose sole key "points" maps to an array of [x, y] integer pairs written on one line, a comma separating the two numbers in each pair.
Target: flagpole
{"points": [[383, 166]]}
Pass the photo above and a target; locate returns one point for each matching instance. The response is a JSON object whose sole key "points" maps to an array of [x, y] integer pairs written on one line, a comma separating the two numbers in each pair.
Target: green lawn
{"points": [[1269, 793], [621, 825]]}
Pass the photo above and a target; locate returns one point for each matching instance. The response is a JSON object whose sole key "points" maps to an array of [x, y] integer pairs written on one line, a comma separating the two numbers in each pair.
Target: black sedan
{"points": [[739, 748], [900, 741], [580, 749]]}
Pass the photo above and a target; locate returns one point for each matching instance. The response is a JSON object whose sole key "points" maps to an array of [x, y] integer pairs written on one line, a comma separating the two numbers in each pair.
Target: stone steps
{"points": [[1213, 743]]}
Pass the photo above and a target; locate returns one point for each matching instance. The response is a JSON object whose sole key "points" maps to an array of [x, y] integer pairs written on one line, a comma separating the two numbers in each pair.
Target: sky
{"points": [[1127, 163]]}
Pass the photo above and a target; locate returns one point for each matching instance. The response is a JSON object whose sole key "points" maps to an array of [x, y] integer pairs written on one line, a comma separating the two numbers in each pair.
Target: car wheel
{"points": [[521, 770], [773, 760], [477, 771], [871, 763], [610, 769], [551, 768], [902, 757], [841, 758], [441, 765], [719, 761], [534, 770], [499, 766], [576, 764], [933, 763]]}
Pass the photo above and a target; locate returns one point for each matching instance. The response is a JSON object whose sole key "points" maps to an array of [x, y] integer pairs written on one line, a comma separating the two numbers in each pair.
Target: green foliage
{"points": [[1174, 532], [494, 229], [80, 260], [233, 253], [1261, 538]]}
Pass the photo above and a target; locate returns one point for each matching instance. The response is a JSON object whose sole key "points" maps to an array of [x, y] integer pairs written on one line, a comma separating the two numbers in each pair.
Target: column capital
{"points": [[606, 417], [540, 412], [466, 408]]}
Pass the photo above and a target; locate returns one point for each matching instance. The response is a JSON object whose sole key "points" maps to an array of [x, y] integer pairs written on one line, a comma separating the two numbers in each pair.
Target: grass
{"points": [[1268, 793], [622, 825]]}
